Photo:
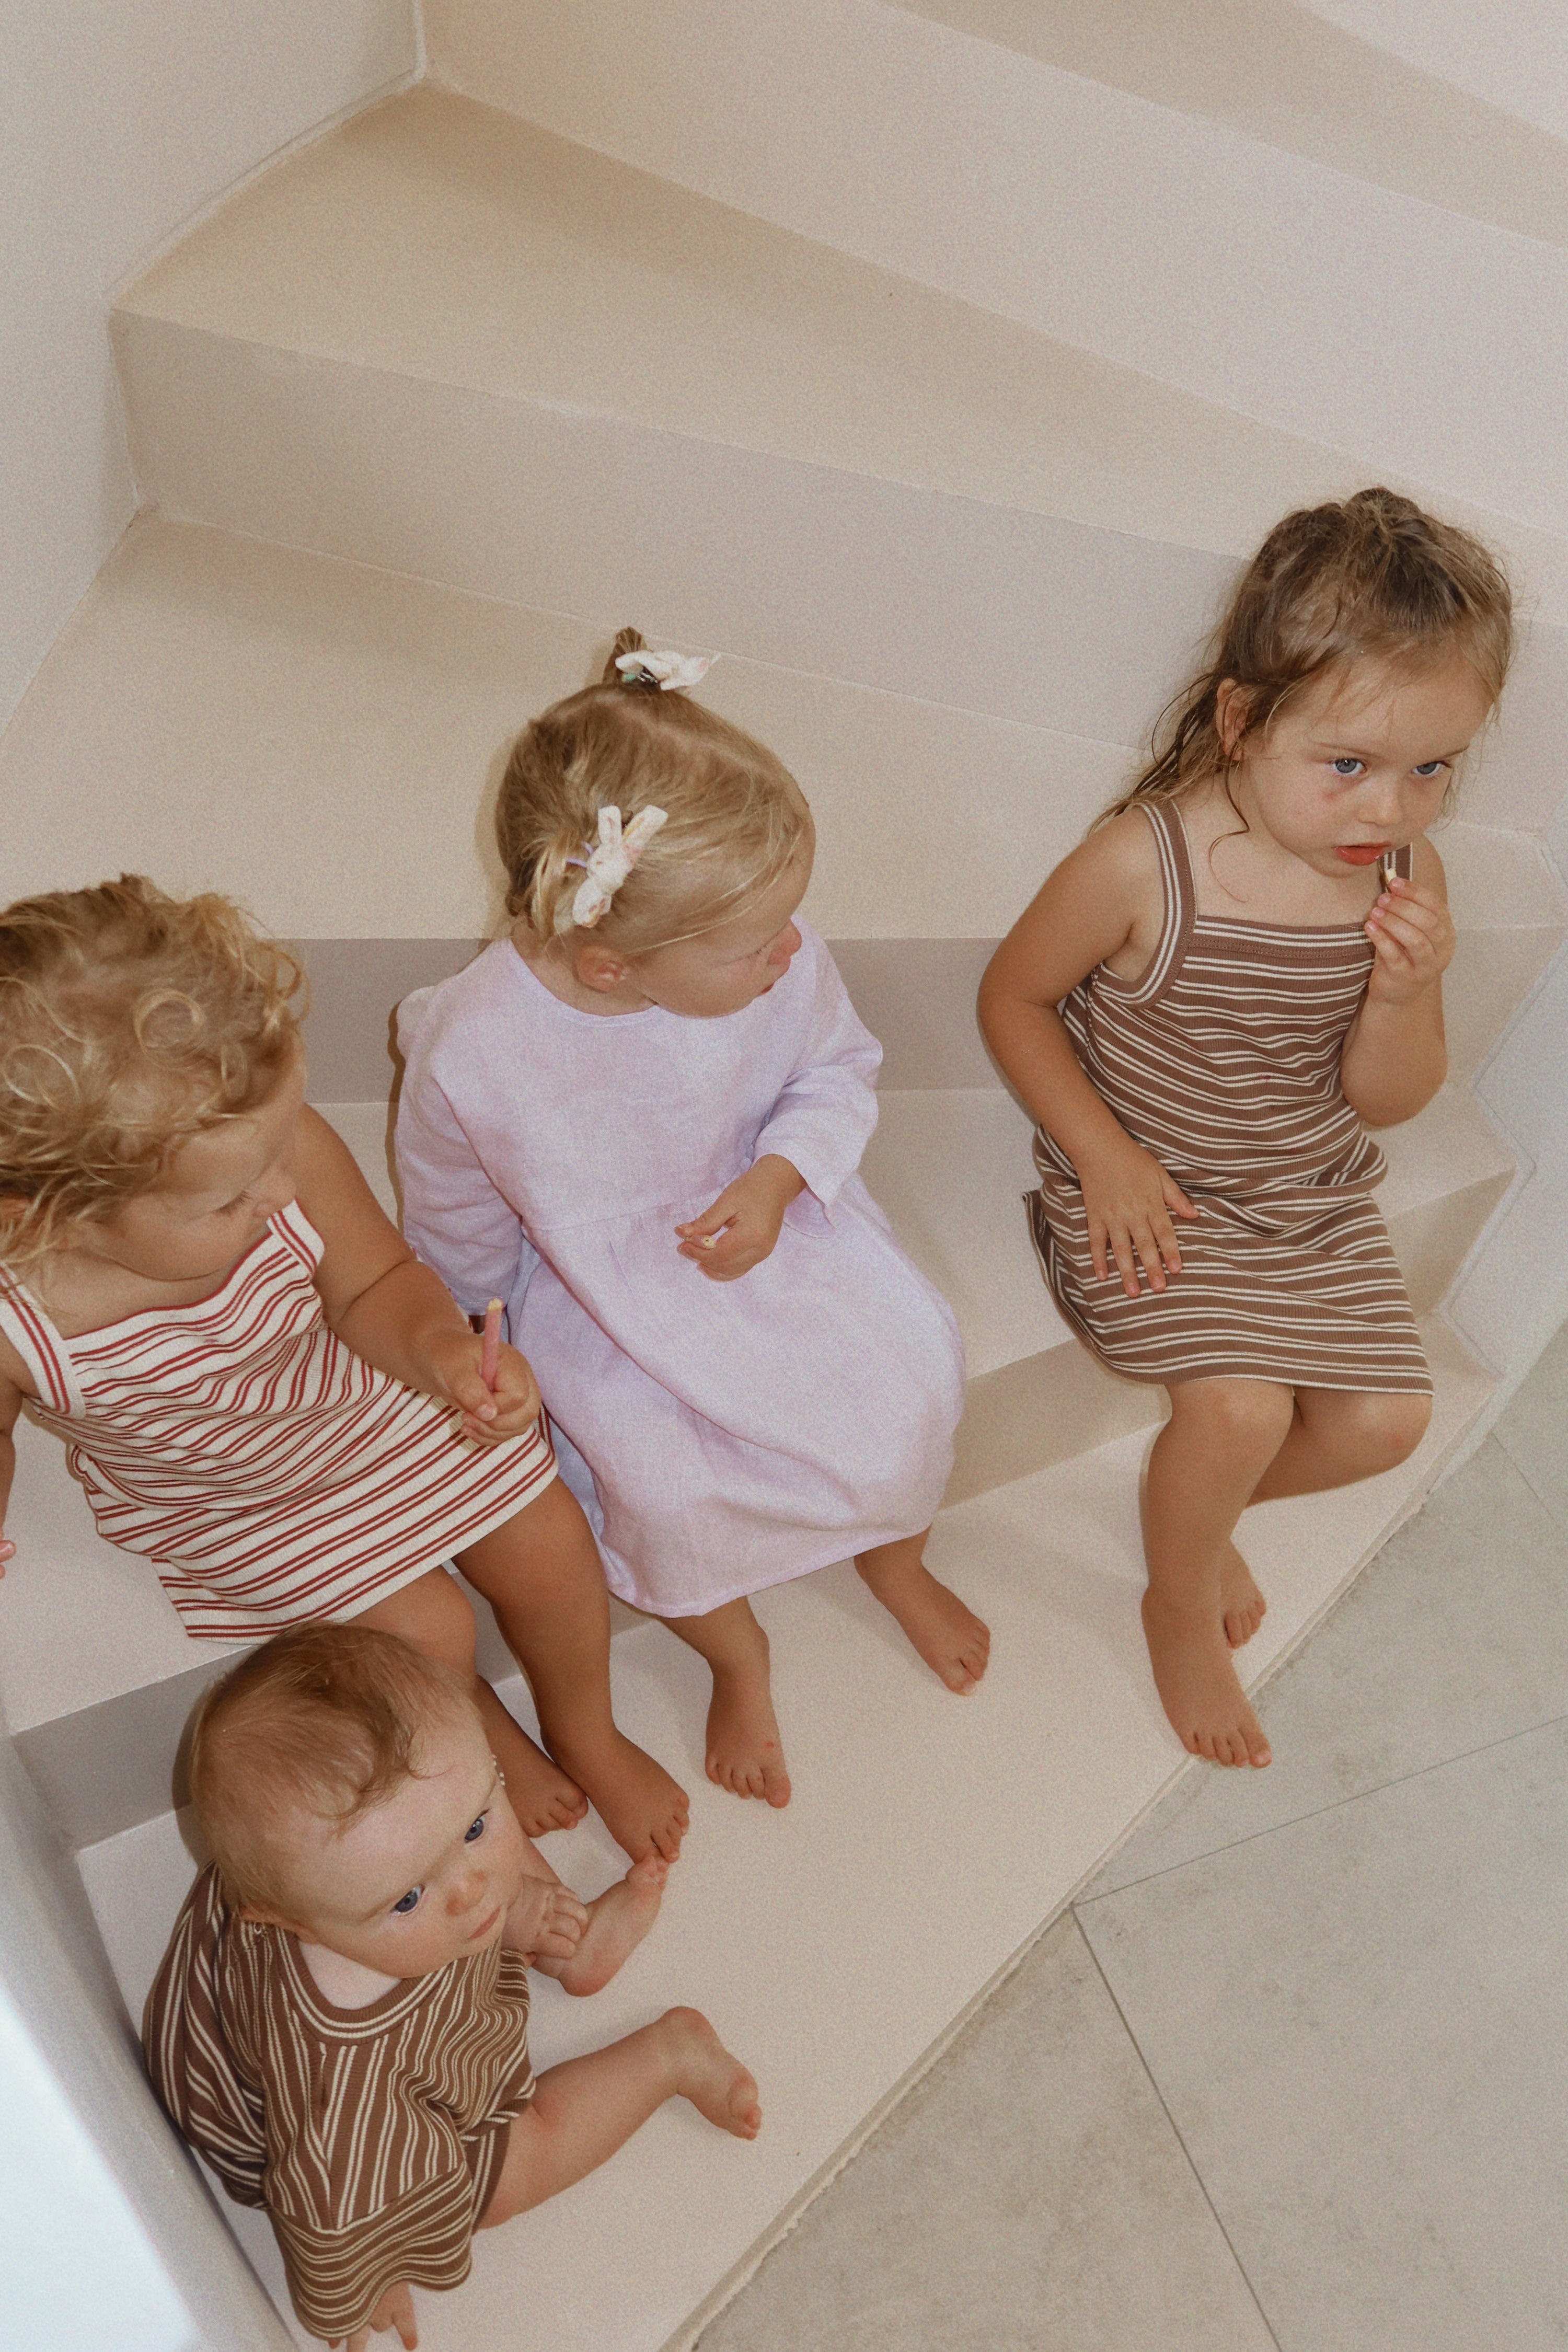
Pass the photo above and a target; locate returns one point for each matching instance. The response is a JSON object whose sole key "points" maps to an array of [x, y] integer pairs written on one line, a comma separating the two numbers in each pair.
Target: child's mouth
{"points": [[1361, 852]]}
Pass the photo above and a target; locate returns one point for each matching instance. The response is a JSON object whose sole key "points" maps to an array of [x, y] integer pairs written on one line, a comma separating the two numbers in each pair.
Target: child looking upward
{"points": [[339, 2023], [1208, 1005], [638, 1118], [259, 1386]]}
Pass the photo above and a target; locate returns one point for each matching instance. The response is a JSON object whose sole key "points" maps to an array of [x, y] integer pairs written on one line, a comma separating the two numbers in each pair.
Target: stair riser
{"points": [[1016, 616], [1199, 260]]}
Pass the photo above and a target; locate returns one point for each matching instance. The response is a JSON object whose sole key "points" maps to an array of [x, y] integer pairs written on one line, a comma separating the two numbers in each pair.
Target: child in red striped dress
{"points": [[259, 1387]]}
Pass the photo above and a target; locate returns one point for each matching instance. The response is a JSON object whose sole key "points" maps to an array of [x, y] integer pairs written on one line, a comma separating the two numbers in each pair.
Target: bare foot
{"points": [[955, 1643], [745, 1754], [717, 2084], [1242, 1606], [617, 1921], [1198, 1685], [541, 1795], [644, 1810]]}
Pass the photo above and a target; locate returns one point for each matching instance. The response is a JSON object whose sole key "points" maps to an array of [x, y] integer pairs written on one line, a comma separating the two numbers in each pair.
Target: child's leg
{"points": [[1205, 1467], [432, 1615], [744, 1751], [953, 1641], [539, 1571], [1339, 1436], [587, 2108]]}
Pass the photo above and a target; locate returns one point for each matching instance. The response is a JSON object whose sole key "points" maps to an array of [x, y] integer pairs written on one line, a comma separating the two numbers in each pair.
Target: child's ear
{"points": [[1232, 710], [600, 968]]}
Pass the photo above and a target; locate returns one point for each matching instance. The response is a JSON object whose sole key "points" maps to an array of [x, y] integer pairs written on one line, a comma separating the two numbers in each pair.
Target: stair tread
{"points": [[438, 237], [885, 1763]]}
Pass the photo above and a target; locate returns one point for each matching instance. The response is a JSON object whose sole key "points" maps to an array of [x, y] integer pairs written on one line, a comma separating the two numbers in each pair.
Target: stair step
{"points": [[1191, 242], [445, 342], [294, 699], [889, 1772]]}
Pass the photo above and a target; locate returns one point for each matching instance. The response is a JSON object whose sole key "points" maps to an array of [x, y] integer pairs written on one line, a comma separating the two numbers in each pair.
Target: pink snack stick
{"points": [[490, 1359]]}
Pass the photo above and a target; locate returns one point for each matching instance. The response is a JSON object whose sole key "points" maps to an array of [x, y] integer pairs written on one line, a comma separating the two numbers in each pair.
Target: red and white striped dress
{"points": [[271, 1475]]}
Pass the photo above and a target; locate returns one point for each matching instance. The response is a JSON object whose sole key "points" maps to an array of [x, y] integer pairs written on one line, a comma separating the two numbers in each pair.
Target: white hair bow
{"points": [[612, 861], [669, 672]]}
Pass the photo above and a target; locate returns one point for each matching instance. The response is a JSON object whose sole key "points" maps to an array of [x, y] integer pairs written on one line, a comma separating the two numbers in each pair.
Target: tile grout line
{"points": [[1545, 1501], [1318, 1812], [1176, 2130]]}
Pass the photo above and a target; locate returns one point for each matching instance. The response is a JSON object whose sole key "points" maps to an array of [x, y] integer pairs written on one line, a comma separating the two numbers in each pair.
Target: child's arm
{"points": [[395, 1313], [1394, 1059], [10, 1406], [452, 1214], [812, 1141], [1107, 896]]}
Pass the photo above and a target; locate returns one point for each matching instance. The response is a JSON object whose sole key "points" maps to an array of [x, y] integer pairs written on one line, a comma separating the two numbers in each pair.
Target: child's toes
{"points": [[775, 1784]]}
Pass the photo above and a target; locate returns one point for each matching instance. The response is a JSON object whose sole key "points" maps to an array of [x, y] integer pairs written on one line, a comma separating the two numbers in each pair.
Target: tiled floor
{"points": [[1293, 2071]]}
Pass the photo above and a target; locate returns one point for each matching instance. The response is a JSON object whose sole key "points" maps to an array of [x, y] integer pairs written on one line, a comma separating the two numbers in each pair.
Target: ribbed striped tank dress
{"points": [[1223, 1059], [271, 1475]]}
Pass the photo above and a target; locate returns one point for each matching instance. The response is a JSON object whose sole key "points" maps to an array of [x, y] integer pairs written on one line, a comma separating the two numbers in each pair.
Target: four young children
{"points": [[636, 1120]]}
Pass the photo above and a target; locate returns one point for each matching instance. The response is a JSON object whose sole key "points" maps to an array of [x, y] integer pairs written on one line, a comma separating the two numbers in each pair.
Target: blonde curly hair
{"points": [[130, 1022], [735, 817], [1371, 574]]}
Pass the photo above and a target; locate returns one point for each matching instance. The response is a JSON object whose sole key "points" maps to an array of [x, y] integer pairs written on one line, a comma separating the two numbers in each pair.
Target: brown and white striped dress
{"points": [[373, 2137], [1223, 1059]]}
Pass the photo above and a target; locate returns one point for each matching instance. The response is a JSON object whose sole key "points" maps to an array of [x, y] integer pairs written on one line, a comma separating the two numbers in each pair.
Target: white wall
{"points": [[1512, 53], [145, 2266], [118, 119]]}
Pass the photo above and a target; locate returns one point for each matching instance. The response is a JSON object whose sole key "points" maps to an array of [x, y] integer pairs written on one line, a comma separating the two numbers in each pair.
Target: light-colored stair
{"points": [[1275, 279]]}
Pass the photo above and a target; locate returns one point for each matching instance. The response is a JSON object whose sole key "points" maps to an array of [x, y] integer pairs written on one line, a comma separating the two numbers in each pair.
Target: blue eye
{"points": [[407, 1902], [1344, 766], [476, 1828], [1430, 768]]}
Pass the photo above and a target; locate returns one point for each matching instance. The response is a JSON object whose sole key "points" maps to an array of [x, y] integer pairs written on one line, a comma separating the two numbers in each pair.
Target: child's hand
{"points": [[395, 2309], [1412, 937], [742, 1225], [546, 1921], [453, 1358], [1130, 1201]]}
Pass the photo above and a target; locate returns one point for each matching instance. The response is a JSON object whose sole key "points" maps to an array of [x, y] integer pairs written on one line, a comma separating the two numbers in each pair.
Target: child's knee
{"points": [[433, 1615], [1237, 1416], [1391, 1428]]}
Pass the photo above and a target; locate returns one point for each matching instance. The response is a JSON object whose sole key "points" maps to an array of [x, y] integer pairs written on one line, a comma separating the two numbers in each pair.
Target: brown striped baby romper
{"points": [[373, 2137], [1223, 1059]]}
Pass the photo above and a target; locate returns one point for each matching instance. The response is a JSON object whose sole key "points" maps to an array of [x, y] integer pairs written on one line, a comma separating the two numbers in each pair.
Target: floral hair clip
{"points": [[670, 673], [612, 861]]}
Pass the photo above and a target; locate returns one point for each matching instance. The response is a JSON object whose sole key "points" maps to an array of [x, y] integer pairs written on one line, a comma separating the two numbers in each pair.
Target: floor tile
{"points": [[1029, 2192], [1355, 2024], [1534, 1429], [1456, 1636]]}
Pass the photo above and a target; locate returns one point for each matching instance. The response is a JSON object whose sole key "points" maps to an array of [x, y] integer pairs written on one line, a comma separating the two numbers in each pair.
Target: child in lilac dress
{"points": [[637, 1121]]}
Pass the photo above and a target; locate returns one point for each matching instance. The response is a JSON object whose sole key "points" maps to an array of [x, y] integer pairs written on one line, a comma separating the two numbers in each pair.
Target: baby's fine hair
{"points": [[130, 1022], [1369, 575], [322, 1720], [734, 814]]}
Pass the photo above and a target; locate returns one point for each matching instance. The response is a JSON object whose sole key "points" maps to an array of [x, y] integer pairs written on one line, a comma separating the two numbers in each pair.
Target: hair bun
{"points": [[628, 641]]}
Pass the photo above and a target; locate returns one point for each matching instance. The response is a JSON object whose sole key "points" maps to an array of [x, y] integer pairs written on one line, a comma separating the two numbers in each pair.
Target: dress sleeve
{"points": [[203, 2082], [453, 1217], [827, 1108]]}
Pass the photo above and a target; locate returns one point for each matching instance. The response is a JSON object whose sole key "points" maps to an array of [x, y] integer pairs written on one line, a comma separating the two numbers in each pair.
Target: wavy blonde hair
{"points": [[1372, 575], [130, 1022], [735, 815], [323, 1720]]}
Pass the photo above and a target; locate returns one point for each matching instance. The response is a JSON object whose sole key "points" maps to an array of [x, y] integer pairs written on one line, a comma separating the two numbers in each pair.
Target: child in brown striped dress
{"points": [[1207, 1007], [340, 2024]]}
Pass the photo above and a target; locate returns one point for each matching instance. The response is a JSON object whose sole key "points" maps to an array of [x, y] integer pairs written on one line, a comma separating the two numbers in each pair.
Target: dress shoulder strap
{"points": [[40, 1347], [1181, 902]]}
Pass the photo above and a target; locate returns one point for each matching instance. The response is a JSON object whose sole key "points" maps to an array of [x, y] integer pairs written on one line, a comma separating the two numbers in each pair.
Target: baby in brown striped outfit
{"points": [[1207, 1007], [340, 2024]]}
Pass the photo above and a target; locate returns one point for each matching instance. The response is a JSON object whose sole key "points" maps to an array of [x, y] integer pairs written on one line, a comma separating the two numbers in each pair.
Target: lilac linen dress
{"points": [[737, 1433]]}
